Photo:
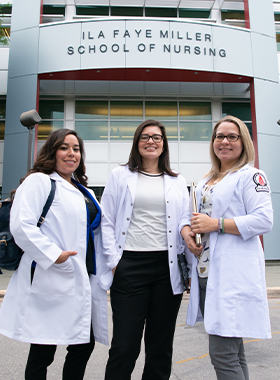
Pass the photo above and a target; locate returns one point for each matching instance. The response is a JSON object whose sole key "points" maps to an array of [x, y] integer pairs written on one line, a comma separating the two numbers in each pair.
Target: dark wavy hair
{"points": [[46, 160], [135, 160]]}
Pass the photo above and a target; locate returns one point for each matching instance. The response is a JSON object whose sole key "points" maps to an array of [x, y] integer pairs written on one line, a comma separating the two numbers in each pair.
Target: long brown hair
{"points": [[46, 160], [135, 160]]}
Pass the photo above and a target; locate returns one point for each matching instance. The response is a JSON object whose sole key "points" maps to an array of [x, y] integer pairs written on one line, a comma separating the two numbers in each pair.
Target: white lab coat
{"points": [[58, 306], [117, 205], [236, 300]]}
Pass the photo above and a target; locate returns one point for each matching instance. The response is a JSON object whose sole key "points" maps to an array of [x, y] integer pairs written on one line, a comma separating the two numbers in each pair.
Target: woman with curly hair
{"points": [[54, 293]]}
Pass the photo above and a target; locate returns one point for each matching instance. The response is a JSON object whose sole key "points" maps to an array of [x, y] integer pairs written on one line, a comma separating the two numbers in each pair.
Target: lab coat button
{"points": [[171, 246], [171, 262], [168, 216], [170, 232], [120, 246], [123, 233], [127, 219]]}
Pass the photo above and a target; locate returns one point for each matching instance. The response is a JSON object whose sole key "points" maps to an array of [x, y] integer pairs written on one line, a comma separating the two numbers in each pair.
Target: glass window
{"points": [[232, 15], [278, 41], [52, 114], [51, 109], [195, 131], [53, 10], [92, 119], [92, 10], [5, 35], [277, 16], [91, 109], [166, 113], [2, 118], [53, 13], [240, 110], [127, 11], [6, 9], [195, 111], [92, 129], [123, 130], [194, 13], [161, 110], [160, 12], [47, 127], [126, 109]]}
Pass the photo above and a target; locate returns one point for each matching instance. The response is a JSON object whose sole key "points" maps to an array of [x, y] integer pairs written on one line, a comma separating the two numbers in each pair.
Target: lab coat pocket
{"points": [[58, 280], [240, 275]]}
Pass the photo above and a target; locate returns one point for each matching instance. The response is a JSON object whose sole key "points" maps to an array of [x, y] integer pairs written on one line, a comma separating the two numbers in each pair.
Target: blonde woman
{"points": [[228, 277]]}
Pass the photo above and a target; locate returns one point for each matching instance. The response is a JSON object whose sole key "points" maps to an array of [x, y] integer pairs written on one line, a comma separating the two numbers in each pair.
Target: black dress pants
{"points": [[141, 296], [42, 355]]}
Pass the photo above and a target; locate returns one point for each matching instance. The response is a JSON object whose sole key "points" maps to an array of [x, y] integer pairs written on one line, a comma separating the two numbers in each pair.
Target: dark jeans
{"points": [[42, 355], [141, 296]]}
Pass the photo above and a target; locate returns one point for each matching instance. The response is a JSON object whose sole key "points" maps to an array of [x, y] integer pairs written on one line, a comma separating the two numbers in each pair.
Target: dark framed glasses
{"points": [[232, 137], [155, 138]]}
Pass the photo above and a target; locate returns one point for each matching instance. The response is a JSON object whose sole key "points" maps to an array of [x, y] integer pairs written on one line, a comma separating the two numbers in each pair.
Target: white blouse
{"points": [[147, 228]]}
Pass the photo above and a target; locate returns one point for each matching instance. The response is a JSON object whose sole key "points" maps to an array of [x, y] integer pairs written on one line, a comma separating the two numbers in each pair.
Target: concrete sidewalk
{"points": [[272, 271]]}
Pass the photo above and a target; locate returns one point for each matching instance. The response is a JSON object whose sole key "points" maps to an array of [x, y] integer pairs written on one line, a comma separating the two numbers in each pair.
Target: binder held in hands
{"points": [[195, 209]]}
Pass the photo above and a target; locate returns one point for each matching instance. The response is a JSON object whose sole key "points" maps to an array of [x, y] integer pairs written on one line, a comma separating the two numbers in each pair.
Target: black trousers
{"points": [[42, 355], [141, 296]]}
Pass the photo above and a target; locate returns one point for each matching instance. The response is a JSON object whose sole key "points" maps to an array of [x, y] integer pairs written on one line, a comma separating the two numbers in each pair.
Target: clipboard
{"points": [[195, 209]]}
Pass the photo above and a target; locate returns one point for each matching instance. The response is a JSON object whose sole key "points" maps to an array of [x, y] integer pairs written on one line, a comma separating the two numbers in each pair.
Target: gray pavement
{"points": [[190, 358], [272, 272]]}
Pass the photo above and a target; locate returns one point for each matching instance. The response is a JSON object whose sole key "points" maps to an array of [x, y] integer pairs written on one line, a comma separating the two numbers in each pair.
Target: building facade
{"points": [[103, 67]]}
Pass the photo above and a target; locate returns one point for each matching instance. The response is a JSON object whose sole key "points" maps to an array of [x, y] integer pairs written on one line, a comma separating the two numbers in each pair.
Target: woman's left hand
{"points": [[202, 223]]}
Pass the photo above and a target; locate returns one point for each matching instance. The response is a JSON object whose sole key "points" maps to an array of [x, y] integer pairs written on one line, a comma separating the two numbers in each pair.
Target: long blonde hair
{"points": [[248, 153]]}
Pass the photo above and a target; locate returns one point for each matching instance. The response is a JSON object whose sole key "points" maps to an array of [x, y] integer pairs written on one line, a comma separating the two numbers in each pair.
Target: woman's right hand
{"points": [[189, 237], [64, 256], [114, 270]]}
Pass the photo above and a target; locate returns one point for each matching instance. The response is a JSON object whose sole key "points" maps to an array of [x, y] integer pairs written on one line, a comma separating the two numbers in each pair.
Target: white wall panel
{"points": [[96, 152], [196, 152], [262, 48], [119, 152], [3, 82], [194, 172], [97, 174], [173, 151], [4, 57], [240, 46]]}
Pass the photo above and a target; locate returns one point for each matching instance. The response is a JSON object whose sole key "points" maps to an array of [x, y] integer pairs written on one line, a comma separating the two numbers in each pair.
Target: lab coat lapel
{"points": [[132, 178], [167, 183], [221, 198]]}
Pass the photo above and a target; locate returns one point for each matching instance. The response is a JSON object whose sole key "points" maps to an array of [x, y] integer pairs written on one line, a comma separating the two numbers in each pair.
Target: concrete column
{"points": [[21, 90], [266, 99]]}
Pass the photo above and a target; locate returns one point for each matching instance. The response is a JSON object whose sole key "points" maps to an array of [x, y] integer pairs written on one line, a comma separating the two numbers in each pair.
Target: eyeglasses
{"points": [[231, 137], [155, 138]]}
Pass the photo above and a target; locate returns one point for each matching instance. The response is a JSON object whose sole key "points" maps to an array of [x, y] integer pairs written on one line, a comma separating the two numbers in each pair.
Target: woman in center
{"points": [[145, 205]]}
